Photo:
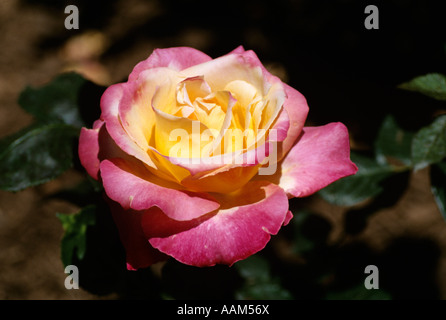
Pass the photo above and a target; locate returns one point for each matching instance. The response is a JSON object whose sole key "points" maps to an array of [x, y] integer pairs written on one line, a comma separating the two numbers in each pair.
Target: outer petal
{"points": [[139, 252], [96, 145], [237, 50], [239, 230], [320, 157], [281, 126], [297, 108], [134, 113], [89, 149], [124, 184], [178, 58], [110, 102], [288, 218]]}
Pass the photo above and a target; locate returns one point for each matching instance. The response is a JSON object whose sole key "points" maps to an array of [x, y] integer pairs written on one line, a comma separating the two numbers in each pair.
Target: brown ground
{"points": [[30, 233]]}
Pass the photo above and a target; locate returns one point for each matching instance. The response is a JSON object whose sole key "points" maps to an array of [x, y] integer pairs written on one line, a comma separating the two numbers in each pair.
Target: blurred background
{"points": [[321, 48]]}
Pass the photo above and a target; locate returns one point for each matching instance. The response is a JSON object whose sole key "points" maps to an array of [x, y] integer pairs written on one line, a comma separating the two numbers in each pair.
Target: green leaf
{"points": [[362, 186], [301, 243], [432, 85], [35, 155], [359, 292], [310, 232], [393, 143], [56, 102], [85, 193], [254, 268], [429, 144], [271, 290], [438, 186], [75, 237], [258, 281]]}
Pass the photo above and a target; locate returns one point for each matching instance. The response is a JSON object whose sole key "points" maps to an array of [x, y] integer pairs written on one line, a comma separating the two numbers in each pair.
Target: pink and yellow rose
{"points": [[199, 156]]}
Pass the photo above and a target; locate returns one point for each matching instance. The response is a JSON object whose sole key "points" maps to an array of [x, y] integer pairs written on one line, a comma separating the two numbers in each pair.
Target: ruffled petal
{"points": [[241, 228], [124, 183], [295, 104]]}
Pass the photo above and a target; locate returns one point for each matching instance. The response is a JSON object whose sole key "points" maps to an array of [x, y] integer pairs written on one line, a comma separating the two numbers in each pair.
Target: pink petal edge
{"points": [[88, 151], [134, 192], [320, 157], [224, 237], [177, 58]]}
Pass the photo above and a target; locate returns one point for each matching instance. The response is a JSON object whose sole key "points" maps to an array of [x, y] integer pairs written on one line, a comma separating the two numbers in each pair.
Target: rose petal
{"points": [[295, 103], [231, 171], [281, 126], [297, 108], [169, 128], [242, 228], [134, 113], [177, 58], [224, 180], [288, 218], [110, 102], [240, 49], [89, 149], [124, 183], [139, 252], [225, 69], [252, 60], [320, 157], [190, 89], [95, 145]]}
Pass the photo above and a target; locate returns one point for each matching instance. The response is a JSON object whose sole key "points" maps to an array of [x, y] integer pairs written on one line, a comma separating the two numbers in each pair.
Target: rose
{"points": [[180, 148]]}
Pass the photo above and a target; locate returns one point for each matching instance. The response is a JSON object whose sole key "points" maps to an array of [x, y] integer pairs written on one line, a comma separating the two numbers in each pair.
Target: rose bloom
{"points": [[199, 156]]}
